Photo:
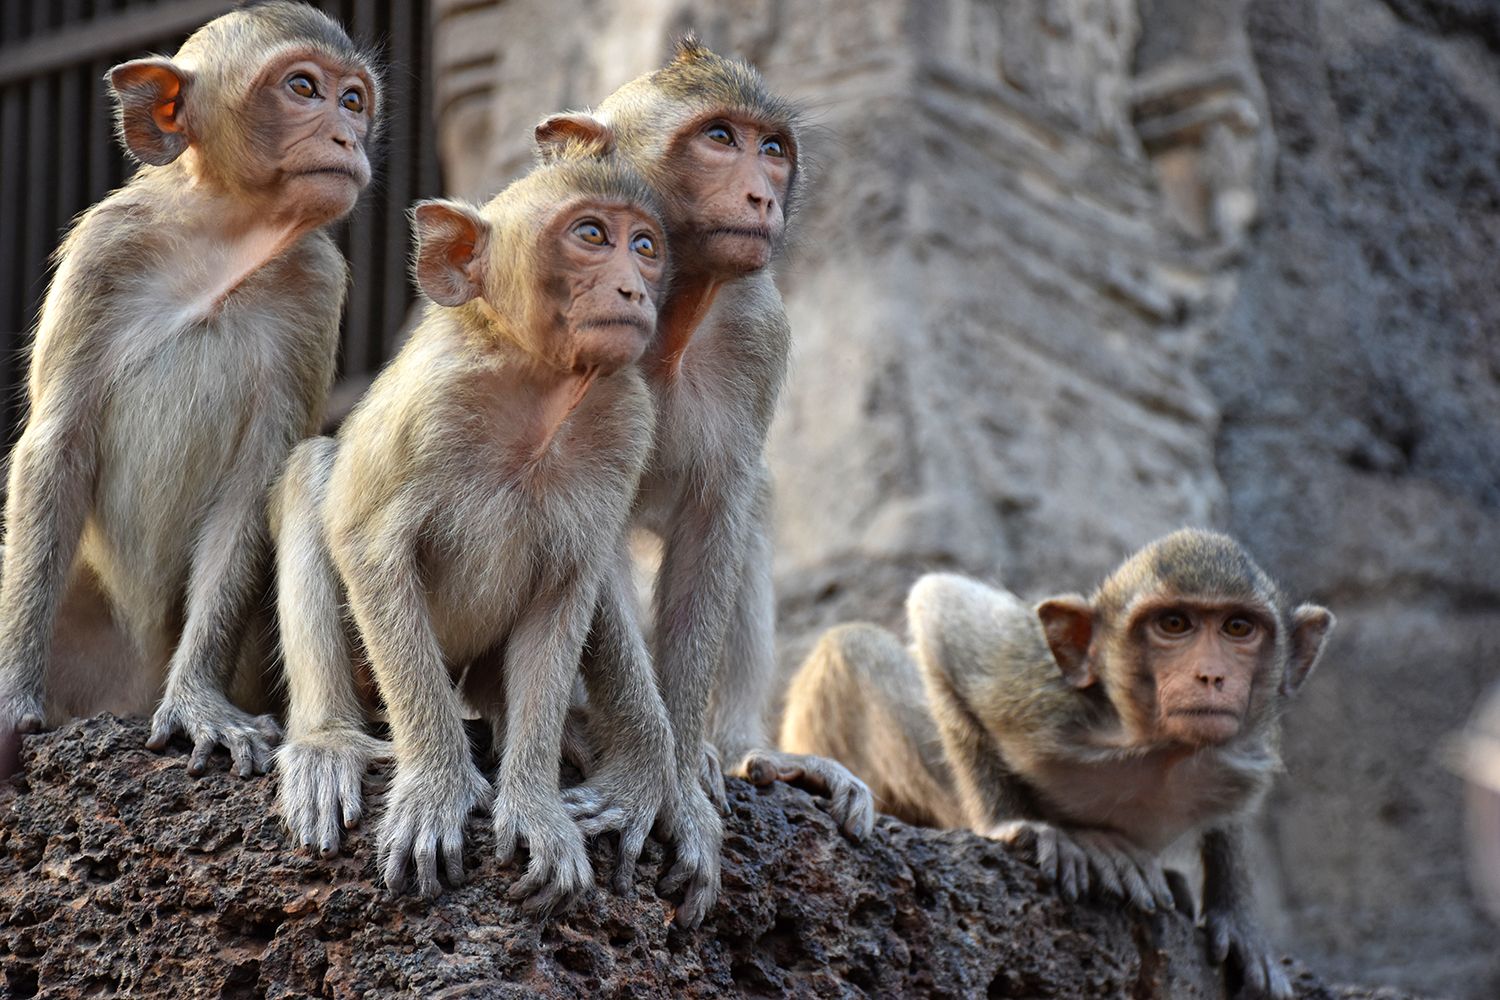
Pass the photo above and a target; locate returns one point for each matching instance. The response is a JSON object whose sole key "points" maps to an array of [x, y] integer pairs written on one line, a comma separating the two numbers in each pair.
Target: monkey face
{"points": [[730, 177], [1206, 661], [606, 266], [311, 114]]}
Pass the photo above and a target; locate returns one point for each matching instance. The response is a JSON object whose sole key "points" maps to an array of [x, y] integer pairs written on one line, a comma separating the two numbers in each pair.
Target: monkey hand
{"points": [[1080, 861], [1233, 937], [623, 799], [849, 800], [711, 774], [424, 818], [696, 831], [210, 721], [321, 774], [559, 872], [19, 714]]}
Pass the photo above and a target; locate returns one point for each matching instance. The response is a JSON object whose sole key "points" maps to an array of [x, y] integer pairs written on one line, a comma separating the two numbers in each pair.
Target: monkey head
{"points": [[720, 148], [568, 263], [1189, 639], [272, 104]]}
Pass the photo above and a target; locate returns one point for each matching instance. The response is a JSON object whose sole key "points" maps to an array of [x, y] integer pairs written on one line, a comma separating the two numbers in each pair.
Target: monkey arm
{"points": [[51, 472], [736, 721], [1227, 917]]}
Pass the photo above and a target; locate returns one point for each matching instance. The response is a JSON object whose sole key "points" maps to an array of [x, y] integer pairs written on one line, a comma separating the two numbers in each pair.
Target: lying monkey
{"points": [[1095, 732]]}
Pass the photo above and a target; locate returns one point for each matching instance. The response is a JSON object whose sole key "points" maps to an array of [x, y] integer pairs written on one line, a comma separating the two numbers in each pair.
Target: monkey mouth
{"points": [[750, 232], [1205, 713], [337, 171], [604, 322]]}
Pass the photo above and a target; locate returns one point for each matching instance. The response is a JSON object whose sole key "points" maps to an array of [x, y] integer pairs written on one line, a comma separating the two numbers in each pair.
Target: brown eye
{"points": [[353, 101], [719, 132], [644, 245], [1239, 628], [1173, 623], [303, 86], [773, 146], [591, 233]]}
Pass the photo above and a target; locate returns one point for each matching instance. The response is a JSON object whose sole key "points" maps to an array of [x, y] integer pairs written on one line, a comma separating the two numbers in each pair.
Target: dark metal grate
{"points": [[58, 154]]}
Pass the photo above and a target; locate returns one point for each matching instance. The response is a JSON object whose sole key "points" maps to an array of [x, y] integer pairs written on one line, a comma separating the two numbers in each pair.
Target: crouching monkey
{"points": [[723, 152], [186, 343], [473, 509], [1094, 732]]}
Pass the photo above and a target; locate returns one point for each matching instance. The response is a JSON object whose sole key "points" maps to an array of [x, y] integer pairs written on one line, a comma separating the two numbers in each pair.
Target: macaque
{"points": [[187, 341], [1097, 733], [473, 510], [723, 153]]}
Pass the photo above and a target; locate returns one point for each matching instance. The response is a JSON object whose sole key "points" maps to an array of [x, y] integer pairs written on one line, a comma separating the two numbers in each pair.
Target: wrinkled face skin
{"points": [[1206, 660], [313, 113], [730, 176], [601, 283]]}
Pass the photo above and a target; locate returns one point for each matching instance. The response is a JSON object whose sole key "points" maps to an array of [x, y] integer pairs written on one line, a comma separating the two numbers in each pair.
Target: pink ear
{"points": [[149, 112], [1068, 623], [451, 242], [591, 137], [1310, 627]]}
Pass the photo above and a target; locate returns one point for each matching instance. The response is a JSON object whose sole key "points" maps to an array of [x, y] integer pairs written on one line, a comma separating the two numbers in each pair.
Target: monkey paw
{"points": [[626, 802], [424, 818], [1233, 937], [19, 715], [849, 800], [210, 721], [1081, 861], [711, 774], [559, 872], [321, 776], [696, 832]]}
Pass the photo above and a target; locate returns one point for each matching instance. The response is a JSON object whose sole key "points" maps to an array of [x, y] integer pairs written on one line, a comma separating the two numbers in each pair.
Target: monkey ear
{"points": [[556, 133], [148, 113], [1310, 626], [451, 242], [1068, 623]]}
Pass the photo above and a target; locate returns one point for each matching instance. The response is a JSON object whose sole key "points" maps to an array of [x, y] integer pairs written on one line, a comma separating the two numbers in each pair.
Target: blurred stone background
{"points": [[1072, 273]]}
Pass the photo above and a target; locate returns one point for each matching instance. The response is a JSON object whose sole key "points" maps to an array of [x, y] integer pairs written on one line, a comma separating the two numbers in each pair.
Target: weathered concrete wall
{"points": [[1072, 273]]}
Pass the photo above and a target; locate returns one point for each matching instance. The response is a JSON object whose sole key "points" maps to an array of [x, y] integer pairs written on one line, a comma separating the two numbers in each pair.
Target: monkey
{"points": [[472, 512], [1095, 732], [185, 343], [723, 152]]}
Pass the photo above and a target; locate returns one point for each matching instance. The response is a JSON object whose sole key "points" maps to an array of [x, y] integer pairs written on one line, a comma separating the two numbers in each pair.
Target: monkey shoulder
{"points": [[958, 616]]}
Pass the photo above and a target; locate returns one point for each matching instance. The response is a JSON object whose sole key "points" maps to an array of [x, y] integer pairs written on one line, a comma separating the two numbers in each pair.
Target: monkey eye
{"points": [[719, 132], [353, 100], [773, 146], [643, 244], [1239, 628], [591, 232], [302, 85], [1174, 623]]}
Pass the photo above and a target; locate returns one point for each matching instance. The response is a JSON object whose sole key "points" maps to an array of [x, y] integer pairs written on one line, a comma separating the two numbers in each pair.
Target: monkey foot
{"points": [[849, 800], [321, 779], [559, 873], [621, 804], [1232, 938], [424, 820], [19, 716], [211, 722]]}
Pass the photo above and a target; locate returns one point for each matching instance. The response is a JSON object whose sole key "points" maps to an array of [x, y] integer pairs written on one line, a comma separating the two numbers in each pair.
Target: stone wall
{"points": [[1072, 273]]}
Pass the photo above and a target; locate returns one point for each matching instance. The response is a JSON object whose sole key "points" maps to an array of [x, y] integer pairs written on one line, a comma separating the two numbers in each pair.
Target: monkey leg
{"points": [[327, 752], [1233, 935], [858, 699], [633, 782]]}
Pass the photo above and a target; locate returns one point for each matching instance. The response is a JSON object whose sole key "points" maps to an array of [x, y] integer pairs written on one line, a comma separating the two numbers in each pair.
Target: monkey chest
{"points": [[1152, 804]]}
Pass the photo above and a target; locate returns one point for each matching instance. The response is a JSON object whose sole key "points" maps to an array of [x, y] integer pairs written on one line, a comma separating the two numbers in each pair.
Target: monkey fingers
{"points": [[1125, 871], [696, 832], [424, 817], [601, 807], [849, 800], [1058, 857], [713, 778], [559, 872], [321, 781], [1232, 939], [210, 721]]}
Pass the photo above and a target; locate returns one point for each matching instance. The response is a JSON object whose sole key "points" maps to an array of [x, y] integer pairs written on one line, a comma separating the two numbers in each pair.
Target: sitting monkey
{"points": [[1096, 732], [473, 510]]}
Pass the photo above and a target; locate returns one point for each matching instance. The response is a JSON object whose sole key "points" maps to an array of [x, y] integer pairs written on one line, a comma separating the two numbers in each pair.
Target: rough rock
{"points": [[124, 876]]}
